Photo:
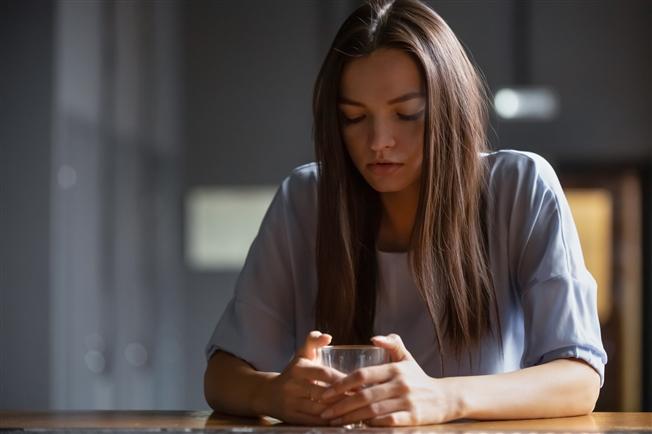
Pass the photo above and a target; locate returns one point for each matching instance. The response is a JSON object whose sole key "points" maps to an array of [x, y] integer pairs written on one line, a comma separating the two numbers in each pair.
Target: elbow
{"points": [[594, 395], [208, 396], [580, 390], [210, 384], [590, 392], [587, 406]]}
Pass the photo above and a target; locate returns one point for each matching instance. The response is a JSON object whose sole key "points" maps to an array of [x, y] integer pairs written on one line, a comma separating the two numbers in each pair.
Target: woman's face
{"points": [[382, 109]]}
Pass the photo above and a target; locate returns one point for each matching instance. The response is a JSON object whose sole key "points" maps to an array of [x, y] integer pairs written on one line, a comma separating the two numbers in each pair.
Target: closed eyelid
{"points": [[415, 112], [411, 117], [400, 114], [414, 107]]}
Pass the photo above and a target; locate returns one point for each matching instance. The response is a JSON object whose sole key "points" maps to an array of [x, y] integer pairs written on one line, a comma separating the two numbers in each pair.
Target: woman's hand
{"points": [[292, 396], [398, 393]]}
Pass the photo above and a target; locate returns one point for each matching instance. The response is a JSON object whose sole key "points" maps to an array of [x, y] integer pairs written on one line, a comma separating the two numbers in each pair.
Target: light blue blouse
{"points": [[546, 297]]}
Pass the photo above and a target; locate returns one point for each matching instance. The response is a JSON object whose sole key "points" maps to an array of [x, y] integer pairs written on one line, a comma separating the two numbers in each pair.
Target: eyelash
{"points": [[413, 117]]}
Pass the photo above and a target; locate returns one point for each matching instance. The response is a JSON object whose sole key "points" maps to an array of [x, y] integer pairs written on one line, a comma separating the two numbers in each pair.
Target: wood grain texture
{"points": [[596, 422]]}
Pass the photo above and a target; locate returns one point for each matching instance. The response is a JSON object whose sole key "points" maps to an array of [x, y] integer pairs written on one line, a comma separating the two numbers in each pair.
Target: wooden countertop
{"points": [[205, 420]]}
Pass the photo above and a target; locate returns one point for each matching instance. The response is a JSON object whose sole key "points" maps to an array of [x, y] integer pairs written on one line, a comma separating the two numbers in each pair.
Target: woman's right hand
{"points": [[292, 395]]}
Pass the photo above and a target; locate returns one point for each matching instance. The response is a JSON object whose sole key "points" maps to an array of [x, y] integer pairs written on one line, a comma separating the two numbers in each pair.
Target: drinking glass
{"points": [[348, 358]]}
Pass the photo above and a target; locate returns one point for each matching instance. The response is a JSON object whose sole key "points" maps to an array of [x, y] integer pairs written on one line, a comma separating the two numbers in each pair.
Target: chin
{"points": [[386, 187], [393, 183]]}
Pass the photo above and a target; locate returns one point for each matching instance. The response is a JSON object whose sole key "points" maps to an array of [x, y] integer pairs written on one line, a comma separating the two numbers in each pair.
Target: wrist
{"points": [[260, 399], [457, 400]]}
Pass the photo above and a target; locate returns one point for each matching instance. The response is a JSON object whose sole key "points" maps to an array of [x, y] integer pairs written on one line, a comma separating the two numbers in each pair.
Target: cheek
{"points": [[413, 149], [411, 139], [354, 146], [352, 136]]}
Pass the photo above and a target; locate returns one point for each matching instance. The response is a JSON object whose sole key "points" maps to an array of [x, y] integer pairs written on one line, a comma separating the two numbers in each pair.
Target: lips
{"points": [[384, 167]]}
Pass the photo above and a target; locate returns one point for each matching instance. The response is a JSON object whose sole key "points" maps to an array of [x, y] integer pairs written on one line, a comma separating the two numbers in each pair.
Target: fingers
{"points": [[394, 344], [360, 378], [309, 407], [366, 398], [376, 411], [298, 404], [399, 418], [308, 390], [314, 390], [314, 340], [307, 370], [303, 389]]}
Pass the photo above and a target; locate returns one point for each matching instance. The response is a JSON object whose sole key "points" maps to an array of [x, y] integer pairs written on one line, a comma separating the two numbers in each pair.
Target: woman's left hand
{"points": [[397, 393]]}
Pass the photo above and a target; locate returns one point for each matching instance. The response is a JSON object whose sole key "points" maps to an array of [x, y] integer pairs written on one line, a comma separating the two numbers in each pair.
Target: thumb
{"points": [[394, 344], [314, 340]]}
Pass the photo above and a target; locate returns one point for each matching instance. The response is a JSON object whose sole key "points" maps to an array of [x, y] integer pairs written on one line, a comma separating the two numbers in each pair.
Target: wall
{"points": [[26, 61]]}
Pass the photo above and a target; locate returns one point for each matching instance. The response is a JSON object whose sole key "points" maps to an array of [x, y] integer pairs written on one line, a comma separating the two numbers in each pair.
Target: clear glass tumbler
{"points": [[349, 358]]}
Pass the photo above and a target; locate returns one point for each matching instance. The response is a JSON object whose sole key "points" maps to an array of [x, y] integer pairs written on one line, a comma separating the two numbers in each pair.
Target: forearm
{"points": [[555, 389], [233, 386]]}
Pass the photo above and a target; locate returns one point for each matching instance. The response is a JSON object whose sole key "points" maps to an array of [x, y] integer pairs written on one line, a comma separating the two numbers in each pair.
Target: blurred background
{"points": [[141, 141]]}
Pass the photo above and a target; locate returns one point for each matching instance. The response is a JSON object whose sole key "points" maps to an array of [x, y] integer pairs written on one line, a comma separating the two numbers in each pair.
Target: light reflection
{"points": [[221, 223], [66, 177], [95, 361], [532, 103], [507, 104]]}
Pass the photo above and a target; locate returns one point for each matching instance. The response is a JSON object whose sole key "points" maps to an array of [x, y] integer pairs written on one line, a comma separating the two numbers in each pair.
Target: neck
{"points": [[397, 219]]}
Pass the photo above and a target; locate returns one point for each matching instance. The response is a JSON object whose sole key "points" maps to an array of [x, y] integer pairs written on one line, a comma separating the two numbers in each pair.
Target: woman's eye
{"points": [[413, 117], [355, 120]]}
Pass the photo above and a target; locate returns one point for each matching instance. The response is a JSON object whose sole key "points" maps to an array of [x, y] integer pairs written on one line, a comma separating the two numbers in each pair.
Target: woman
{"points": [[464, 264]]}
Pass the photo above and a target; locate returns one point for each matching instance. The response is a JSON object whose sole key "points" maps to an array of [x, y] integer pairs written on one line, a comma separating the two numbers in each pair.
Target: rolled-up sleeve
{"points": [[558, 294]]}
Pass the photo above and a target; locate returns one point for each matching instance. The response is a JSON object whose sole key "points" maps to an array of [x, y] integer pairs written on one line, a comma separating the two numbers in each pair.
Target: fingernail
{"points": [[327, 413]]}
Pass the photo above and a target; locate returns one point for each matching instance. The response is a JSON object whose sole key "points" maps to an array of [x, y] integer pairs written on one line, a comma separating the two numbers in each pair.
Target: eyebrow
{"points": [[402, 98]]}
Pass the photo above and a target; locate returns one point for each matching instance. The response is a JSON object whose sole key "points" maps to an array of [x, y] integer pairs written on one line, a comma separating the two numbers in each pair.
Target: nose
{"points": [[381, 136]]}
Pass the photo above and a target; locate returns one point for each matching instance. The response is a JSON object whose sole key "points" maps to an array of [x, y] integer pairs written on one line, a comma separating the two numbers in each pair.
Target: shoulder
{"points": [[306, 174], [523, 192], [529, 218], [301, 184], [296, 197], [522, 164], [520, 172]]}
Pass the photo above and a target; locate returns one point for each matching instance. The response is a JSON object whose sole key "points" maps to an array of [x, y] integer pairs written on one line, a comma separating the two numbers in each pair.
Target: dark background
{"points": [[147, 100]]}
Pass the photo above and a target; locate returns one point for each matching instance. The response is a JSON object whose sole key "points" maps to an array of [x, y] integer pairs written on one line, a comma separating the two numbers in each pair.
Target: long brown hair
{"points": [[448, 254]]}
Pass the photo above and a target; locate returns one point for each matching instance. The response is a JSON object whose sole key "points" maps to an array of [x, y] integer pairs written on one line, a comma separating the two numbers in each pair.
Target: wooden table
{"points": [[204, 420]]}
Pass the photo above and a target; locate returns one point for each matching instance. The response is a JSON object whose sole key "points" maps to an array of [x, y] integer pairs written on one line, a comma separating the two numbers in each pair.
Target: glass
{"points": [[349, 358]]}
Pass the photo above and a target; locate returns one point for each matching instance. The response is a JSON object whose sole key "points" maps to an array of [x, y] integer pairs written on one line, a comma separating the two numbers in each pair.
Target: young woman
{"points": [[406, 233]]}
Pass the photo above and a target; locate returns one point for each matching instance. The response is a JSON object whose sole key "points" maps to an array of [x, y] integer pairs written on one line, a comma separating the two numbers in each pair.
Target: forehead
{"points": [[380, 76]]}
